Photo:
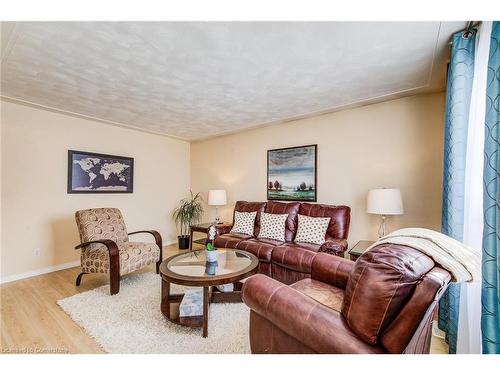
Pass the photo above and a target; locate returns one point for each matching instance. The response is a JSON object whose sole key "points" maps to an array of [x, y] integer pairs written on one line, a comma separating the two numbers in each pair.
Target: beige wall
{"points": [[38, 213], [392, 144], [397, 143]]}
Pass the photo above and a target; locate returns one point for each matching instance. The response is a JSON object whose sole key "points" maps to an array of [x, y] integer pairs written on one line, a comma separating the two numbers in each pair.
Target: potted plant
{"points": [[211, 253], [188, 212]]}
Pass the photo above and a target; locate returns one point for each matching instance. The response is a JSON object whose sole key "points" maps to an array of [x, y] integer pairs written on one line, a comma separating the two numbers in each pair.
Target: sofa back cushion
{"points": [[292, 209], [312, 229], [340, 217], [381, 282], [101, 224], [272, 226], [244, 223], [244, 206]]}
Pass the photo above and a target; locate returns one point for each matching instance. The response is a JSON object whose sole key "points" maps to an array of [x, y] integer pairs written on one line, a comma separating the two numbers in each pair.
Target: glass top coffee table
{"points": [[192, 269]]}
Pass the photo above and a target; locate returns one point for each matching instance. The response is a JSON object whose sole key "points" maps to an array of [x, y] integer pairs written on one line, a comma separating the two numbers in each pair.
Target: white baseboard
{"points": [[49, 269], [40, 271]]}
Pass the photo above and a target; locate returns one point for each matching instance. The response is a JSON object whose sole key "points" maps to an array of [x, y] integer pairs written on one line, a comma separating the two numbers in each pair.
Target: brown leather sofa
{"points": [[288, 261], [382, 303]]}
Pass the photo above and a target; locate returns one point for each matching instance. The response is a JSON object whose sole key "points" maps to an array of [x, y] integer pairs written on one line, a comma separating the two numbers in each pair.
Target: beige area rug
{"points": [[131, 321]]}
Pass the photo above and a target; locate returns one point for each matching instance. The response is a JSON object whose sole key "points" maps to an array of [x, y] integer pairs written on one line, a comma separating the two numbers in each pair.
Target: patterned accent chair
{"points": [[106, 248]]}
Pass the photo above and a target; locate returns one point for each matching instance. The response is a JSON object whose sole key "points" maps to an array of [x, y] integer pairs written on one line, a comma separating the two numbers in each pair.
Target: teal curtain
{"points": [[490, 317], [458, 96]]}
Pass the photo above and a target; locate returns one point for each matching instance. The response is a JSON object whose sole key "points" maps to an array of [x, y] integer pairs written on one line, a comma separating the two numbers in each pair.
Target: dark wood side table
{"points": [[202, 228], [359, 249]]}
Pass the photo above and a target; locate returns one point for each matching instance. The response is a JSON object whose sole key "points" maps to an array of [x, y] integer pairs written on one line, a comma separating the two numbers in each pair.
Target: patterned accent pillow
{"points": [[244, 222], [312, 229], [272, 226]]}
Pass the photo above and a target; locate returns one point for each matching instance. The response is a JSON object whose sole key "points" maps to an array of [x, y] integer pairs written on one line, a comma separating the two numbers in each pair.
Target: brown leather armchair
{"points": [[382, 303]]}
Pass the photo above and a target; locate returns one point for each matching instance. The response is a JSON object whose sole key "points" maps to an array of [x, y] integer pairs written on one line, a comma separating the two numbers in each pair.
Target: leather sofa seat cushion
{"points": [[295, 256], [292, 210], [381, 282], [339, 223], [326, 294], [230, 240], [244, 206], [262, 249]]}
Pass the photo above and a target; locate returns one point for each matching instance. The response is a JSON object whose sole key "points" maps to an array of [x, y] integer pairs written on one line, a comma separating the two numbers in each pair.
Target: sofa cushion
{"points": [[295, 256], [326, 294], [230, 240], [272, 226], [261, 249], [101, 224], [244, 222], [340, 217], [312, 229], [244, 206], [379, 285], [133, 256], [291, 208]]}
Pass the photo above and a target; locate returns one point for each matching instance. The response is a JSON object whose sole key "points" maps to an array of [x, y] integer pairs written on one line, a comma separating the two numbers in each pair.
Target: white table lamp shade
{"points": [[217, 198], [385, 202]]}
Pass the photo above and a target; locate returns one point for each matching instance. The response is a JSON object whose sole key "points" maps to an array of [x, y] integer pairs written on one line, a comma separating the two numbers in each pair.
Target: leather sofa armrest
{"points": [[223, 229], [331, 270], [313, 324], [334, 247]]}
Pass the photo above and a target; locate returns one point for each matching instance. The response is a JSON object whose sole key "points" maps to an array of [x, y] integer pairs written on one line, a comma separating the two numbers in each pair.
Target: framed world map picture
{"points": [[89, 172]]}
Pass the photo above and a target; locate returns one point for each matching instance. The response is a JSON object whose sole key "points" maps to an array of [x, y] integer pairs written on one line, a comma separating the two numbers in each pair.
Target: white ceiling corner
{"points": [[194, 80]]}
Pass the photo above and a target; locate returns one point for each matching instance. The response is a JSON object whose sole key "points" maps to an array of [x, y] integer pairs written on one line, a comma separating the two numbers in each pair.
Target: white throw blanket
{"points": [[463, 262]]}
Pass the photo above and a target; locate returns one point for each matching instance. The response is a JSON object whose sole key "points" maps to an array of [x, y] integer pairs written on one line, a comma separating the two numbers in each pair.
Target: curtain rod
{"points": [[468, 31]]}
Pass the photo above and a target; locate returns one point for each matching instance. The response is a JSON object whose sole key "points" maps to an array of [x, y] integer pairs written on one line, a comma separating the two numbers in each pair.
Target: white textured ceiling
{"points": [[194, 80]]}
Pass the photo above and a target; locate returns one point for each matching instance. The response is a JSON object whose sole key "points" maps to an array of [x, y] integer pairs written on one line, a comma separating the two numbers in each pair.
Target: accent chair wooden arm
{"points": [[154, 233], [114, 263]]}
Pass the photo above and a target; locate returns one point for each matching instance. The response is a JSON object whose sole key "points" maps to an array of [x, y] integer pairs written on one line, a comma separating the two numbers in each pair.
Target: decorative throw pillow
{"points": [[312, 229], [272, 226], [244, 222]]}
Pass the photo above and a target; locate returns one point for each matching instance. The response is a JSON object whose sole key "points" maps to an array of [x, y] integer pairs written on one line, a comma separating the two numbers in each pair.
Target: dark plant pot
{"points": [[183, 241]]}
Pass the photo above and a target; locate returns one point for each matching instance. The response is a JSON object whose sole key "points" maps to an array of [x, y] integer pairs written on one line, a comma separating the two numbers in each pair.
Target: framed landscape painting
{"points": [[291, 174], [89, 172]]}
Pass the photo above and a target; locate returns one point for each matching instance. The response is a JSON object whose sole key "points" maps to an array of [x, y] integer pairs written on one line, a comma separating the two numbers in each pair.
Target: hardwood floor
{"points": [[32, 322]]}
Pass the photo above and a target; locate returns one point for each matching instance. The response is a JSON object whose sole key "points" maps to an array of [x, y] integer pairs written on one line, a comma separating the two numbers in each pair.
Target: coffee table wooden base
{"points": [[170, 304]]}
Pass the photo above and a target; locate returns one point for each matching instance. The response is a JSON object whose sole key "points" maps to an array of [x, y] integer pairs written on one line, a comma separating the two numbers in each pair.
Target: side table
{"points": [[359, 249], [202, 228]]}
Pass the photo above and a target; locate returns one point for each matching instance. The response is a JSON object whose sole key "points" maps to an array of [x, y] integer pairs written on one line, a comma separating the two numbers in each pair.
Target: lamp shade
{"points": [[385, 202], [217, 197]]}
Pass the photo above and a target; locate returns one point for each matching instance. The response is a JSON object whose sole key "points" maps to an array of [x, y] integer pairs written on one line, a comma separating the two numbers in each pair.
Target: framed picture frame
{"points": [[292, 173], [91, 173]]}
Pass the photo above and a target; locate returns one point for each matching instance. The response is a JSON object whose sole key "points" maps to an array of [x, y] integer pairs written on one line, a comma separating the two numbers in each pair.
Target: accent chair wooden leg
{"points": [[114, 282], [114, 270], [79, 278]]}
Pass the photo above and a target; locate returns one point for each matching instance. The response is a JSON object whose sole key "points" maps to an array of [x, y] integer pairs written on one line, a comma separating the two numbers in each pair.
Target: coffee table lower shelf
{"points": [[170, 304]]}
